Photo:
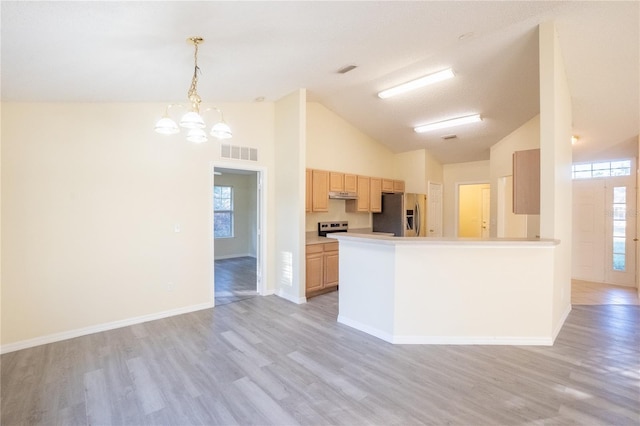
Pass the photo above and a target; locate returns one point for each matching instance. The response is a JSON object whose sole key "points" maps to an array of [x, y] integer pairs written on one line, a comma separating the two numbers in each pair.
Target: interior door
{"points": [[434, 212], [471, 210], [486, 212]]}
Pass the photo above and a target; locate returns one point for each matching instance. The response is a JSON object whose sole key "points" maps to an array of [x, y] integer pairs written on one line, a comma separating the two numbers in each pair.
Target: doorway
{"points": [[474, 211], [237, 240], [604, 230], [434, 211]]}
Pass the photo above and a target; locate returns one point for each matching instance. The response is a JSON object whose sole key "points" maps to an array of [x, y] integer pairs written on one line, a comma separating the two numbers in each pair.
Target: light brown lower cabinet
{"points": [[322, 268]]}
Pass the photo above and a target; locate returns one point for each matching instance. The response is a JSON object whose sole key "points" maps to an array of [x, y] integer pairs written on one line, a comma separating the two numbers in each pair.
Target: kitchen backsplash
{"points": [[336, 212]]}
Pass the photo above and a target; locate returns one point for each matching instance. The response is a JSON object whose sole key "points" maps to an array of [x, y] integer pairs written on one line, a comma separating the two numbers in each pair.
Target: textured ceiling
{"points": [[136, 51]]}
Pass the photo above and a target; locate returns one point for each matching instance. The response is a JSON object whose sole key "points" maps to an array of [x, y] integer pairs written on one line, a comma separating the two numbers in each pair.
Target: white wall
{"points": [[525, 137], [434, 169], [335, 144], [417, 168], [555, 165], [290, 188], [90, 199], [243, 242], [454, 174], [411, 167]]}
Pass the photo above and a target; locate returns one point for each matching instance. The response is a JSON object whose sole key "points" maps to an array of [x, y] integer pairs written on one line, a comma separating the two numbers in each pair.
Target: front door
{"points": [[604, 230]]}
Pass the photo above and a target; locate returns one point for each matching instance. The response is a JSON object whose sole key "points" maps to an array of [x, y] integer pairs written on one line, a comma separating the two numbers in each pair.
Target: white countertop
{"points": [[469, 242], [313, 238]]}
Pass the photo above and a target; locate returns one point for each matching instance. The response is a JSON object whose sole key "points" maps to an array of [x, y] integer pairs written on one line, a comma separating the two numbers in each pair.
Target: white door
{"points": [[604, 230], [486, 212], [434, 212], [588, 230]]}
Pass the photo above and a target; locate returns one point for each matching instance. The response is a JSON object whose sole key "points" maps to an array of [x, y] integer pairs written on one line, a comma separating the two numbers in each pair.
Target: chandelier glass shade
{"points": [[192, 120]]}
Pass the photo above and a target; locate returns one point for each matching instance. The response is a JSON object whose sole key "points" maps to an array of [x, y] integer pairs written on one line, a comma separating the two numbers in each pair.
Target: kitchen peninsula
{"points": [[448, 291]]}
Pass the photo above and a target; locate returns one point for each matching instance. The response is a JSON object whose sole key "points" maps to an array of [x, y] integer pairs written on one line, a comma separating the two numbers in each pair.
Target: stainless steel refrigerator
{"points": [[404, 215]]}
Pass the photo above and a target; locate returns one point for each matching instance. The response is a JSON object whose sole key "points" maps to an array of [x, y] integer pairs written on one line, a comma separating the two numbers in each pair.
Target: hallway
{"points": [[235, 279], [590, 293]]}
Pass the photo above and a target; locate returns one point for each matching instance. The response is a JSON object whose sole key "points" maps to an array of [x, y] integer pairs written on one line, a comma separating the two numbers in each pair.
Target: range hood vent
{"points": [[340, 195]]}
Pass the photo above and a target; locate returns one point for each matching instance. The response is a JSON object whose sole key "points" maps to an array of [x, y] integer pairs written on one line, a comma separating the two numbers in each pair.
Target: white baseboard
{"points": [[446, 340], [473, 340], [56, 337], [290, 298], [560, 323], [366, 328], [233, 256], [270, 292]]}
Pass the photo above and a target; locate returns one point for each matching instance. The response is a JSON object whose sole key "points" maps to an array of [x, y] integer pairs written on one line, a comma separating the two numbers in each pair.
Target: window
{"points": [[619, 227], [601, 169], [222, 211]]}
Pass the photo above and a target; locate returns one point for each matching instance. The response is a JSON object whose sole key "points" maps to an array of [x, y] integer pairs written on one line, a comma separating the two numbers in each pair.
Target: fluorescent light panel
{"points": [[417, 83], [448, 123]]}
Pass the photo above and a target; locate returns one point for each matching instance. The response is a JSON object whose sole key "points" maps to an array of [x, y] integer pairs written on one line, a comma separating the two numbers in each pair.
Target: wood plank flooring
{"points": [[235, 279], [266, 361], [590, 293]]}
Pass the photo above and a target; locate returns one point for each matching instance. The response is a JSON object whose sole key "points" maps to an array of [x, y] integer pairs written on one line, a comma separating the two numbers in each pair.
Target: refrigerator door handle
{"points": [[417, 220]]}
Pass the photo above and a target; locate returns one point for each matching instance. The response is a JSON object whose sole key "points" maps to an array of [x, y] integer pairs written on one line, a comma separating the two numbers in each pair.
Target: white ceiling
{"points": [[107, 51]]}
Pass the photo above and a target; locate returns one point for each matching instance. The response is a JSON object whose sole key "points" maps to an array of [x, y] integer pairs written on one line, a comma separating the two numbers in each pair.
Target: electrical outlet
{"points": [[170, 286], [176, 227]]}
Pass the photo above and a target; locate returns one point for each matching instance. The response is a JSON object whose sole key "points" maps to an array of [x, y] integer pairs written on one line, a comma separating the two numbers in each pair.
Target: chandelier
{"points": [[192, 120]]}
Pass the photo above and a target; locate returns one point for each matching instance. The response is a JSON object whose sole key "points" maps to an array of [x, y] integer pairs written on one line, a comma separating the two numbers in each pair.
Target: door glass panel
{"points": [[619, 209], [619, 195]]}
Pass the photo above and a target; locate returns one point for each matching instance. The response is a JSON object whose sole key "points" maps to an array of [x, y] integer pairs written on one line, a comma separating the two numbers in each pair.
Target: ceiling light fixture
{"points": [[417, 83], [448, 123], [192, 119]]}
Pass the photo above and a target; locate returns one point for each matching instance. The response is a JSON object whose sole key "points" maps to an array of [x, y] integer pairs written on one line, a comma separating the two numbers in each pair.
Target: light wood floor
{"points": [[590, 293], [265, 361], [235, 279]]}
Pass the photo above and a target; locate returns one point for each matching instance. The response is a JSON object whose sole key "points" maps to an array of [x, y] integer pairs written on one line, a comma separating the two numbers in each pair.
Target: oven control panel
{"points": [[325, 228]]}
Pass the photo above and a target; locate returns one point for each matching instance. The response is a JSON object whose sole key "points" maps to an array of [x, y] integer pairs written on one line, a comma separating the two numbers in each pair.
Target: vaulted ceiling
{"points": [[136, 51]]}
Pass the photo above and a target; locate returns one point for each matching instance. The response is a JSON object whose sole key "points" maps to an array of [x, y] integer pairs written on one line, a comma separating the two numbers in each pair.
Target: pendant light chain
{"points": [[192, 94]]}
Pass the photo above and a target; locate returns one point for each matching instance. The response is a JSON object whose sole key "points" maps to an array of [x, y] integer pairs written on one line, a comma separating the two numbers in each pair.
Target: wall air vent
{"points": [[235, 152], [447, 137]]}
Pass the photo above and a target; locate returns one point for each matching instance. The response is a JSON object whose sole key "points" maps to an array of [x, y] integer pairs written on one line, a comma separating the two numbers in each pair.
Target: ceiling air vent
{"points": [[238, 152], [447, 137], [346, 69]]}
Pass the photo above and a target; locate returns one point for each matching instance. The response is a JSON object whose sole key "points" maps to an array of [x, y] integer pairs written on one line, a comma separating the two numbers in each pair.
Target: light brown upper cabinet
{"points": [[320, 191], [350, 183], [391, 185], [526, 182], [336, 181], [387, 185], [375, 195], [362, 203]]}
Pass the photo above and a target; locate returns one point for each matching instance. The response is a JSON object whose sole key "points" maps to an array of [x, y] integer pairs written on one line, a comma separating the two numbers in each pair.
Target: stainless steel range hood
{"points": [[341, 195]]}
